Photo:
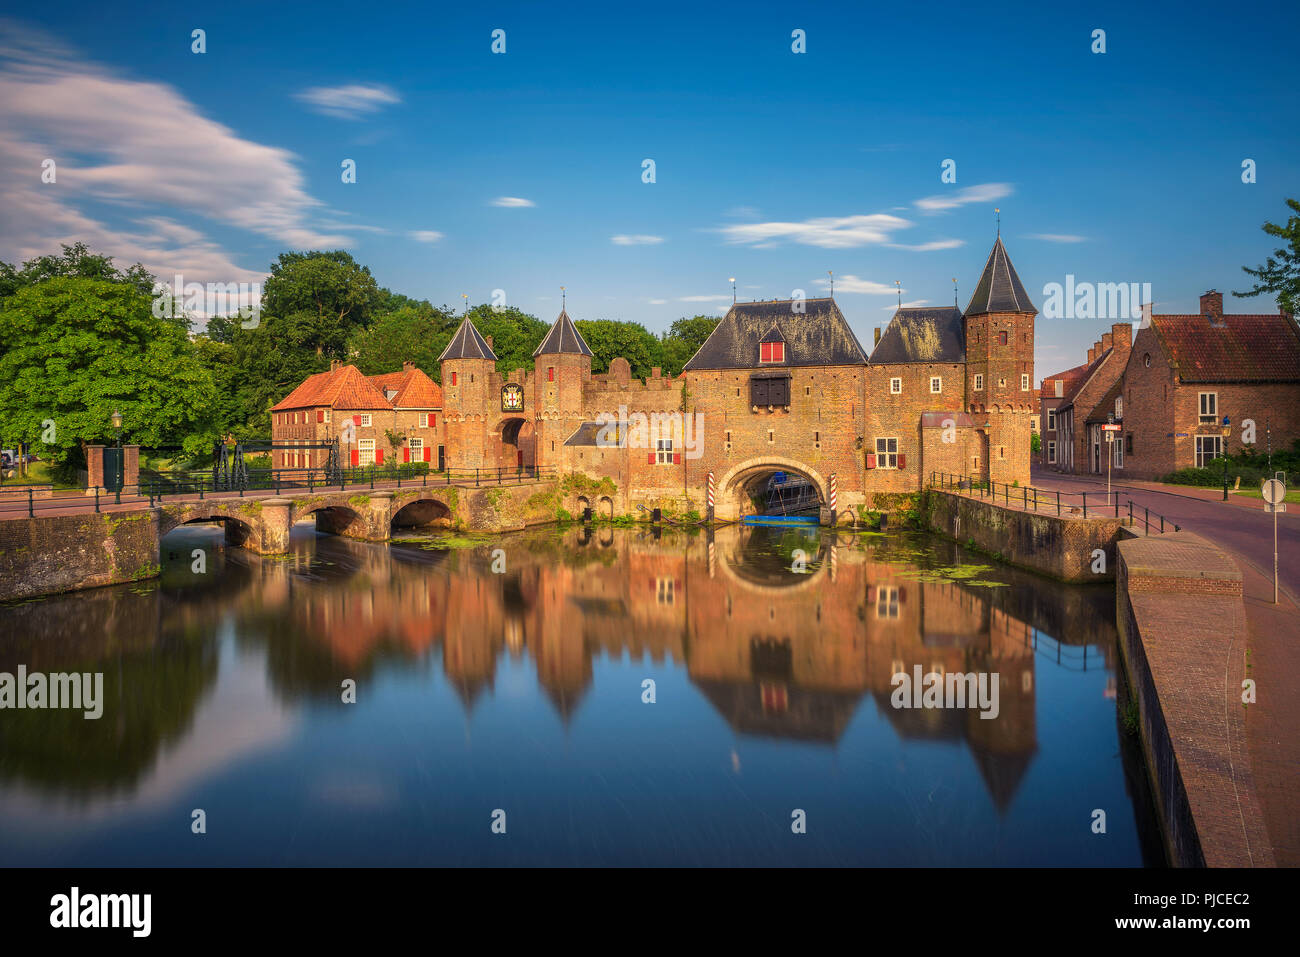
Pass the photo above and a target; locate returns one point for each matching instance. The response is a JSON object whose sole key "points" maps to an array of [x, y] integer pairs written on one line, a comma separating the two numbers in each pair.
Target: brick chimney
{"points": [[334, 364], [1092, 354], [408, 365], [489, 341], [1105, 343], [1212, 304], [1122, 336]]}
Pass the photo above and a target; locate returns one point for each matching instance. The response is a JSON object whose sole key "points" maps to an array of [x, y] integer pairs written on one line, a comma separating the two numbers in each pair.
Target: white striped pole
{"points": [[709, 496], [833, 500]]}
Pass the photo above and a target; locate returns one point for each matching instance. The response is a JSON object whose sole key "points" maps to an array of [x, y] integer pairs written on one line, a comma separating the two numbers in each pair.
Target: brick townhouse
{"points": [[1050, 397], [365, 414], [1078, 414], [1186, 373]]}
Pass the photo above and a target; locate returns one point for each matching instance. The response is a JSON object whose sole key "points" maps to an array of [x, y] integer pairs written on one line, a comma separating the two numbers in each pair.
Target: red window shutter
{"points": [[902, 460], [677, 458], [453, 378], [356, 420], [778, 352], [651, 458], [406, 455], [433, 421], [427, 450], [355, 457], [871, 460], [764, 351], [320, 415], [379, 456], [550, 373]]}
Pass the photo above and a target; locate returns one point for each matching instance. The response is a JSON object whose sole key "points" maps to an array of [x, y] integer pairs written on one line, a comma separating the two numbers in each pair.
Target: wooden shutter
{"points": [[379, 456], [677, 458], [779, 392], [902, 460], [758, 390], [652, 458], [406, 455], [356, 458], [320, 415], [427, 450], [871, 460]]}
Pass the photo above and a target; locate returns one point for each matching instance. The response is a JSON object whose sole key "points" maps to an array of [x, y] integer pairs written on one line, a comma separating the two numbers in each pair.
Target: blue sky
{"points": [[771, 166]]}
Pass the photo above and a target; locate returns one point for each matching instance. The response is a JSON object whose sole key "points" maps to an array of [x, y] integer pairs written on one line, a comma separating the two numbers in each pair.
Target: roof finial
{"points": [[831, 273], [563, 299], [954, 292], [465, 296], [733, 290], [998, 212], [900, 293]]}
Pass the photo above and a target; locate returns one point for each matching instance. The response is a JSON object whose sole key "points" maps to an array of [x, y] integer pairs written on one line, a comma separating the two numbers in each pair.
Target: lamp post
{"points": [[1226, 432], [116, 419]]}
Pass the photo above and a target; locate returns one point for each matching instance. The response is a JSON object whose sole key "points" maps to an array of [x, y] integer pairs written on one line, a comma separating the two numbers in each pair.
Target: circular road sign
{"points": [[1273, 491]]}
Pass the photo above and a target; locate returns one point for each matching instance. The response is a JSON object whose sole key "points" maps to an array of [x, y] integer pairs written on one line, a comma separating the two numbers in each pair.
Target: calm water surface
{"points": [[522, 690]]}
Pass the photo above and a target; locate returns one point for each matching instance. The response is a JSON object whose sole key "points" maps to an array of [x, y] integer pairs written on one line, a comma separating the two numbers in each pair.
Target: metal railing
{"points": [[1028, 498]]}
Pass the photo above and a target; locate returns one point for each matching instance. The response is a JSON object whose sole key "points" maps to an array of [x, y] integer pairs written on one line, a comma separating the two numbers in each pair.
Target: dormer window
{"points": [[771, 352]]}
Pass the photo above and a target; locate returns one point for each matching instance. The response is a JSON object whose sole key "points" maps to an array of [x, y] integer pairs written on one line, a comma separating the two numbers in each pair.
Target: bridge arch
{"points": [[733, 500], [239, 531], [421, 513], [332, 519]]}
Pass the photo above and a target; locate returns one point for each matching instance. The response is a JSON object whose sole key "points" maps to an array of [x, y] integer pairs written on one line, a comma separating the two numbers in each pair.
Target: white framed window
{"points": [[1209, 405], [936, 384], [1051, 420], [1024, 382], [1051, 451], [366, 451], [665, 591], [895, 386], [887, 602], [327, 416], [664, 452], [1119, 407], [886, 453], [1002, 383], [1208, 447], [365, 419], [1117, 451], [979, 382], [417, 449]]}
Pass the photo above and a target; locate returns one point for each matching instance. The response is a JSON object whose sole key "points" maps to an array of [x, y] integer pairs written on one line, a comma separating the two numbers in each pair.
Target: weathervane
{"points": [[831, 273], [954, 291], [900, 293], [999, 215], [563, 299], [465, 296], [733, 290]]}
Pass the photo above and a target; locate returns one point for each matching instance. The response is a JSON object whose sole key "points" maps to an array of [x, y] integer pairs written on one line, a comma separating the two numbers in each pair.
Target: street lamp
{"points": [[1226, 432], [116, 419]]}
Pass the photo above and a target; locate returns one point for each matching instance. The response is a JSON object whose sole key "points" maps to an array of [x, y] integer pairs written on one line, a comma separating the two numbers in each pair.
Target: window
{"points": [[817, 439], [327, 416], [936, 384], [365, 419], [1209, 406], [767, 390], [417, 449], [771, 437], [453, 378], [1002, 451], [1128, 444], [366, 451], [886, 453], [895, 386], [550, 373], [1051, 420], [728, 441], [979, 382], [1119, 407], [1002, 338], [1146, 360], [1051, 451], [1117, 453], [887, 603], [1208, 448], [664, 452], [1002, 383], [1024, 383], [771, 352]]}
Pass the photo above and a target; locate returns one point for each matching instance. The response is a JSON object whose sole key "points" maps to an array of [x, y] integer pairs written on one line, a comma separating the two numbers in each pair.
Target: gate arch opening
{"points": [[422, 513], [770, 485]]}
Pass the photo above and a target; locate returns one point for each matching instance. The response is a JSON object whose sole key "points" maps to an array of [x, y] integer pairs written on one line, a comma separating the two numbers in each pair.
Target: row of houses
{"points": [[1183, 390]]}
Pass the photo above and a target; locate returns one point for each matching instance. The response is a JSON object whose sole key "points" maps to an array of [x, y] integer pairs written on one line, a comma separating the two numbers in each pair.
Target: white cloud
{"points": [[984, 193], [635, 240], [139, 146], [349, 102], [426, 235], [702, 298], [930, 247], [856, 285], [658, 302], [1058, 237], [512, 202], [742, 212], [914, 304], [841, 232]]}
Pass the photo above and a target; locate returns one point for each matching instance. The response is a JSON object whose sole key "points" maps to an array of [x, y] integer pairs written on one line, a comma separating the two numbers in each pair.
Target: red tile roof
{"points": [[341, 388], [1069, 376], [1244, 348], [414, 389]]}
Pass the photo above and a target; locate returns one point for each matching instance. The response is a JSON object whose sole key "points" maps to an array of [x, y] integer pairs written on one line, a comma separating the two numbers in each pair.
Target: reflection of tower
{"points": [[474, 626], [1004, 747], [557, 641]]}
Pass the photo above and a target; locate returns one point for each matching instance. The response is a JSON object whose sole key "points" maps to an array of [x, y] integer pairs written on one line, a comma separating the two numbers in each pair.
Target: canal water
{"points": [[603, 697]]}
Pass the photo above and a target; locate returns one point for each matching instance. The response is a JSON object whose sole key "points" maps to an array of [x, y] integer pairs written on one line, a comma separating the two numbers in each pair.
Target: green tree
{"points": [[515, 334], [77, 261], [1280, 273], [611, 338], [78, 349], [410, 332], [683, 339]]}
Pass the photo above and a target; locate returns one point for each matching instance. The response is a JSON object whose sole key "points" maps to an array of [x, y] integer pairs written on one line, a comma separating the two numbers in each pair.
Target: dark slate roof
{"points": [[586, 434], [999, 288], [467, 344], [1245, 348], [773, 335], [922, 335], [563, 337], [818, 336]]}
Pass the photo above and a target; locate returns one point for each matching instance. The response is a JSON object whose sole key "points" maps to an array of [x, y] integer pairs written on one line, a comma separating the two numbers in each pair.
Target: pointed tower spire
{"points": [[999, 288], [466, 343], [563, 337]]}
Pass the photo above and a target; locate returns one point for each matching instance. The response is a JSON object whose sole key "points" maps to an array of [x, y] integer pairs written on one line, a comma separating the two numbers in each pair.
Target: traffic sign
{"points": [[1273, 491], [1111, 428], [1110, 436], [1279, 507]]}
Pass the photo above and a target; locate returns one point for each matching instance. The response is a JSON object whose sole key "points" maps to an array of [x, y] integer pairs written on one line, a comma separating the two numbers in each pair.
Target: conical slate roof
{"points": [[563, 337], [467, 344], [999, 288]]}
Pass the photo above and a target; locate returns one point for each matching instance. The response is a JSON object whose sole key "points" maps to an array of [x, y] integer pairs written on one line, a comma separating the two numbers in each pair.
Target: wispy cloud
{"points": [[349, 102], [855, 285], [635, 240], [657, 302], [703, 298], [842, 232], [930, 247], [426, 235], [984, 193], [1058, 237], [913, 304], [512, 202], [742, 212]]}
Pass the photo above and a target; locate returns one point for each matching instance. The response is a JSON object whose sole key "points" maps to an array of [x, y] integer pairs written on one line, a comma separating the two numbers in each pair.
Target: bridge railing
{"points": [[1028, 498]]}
